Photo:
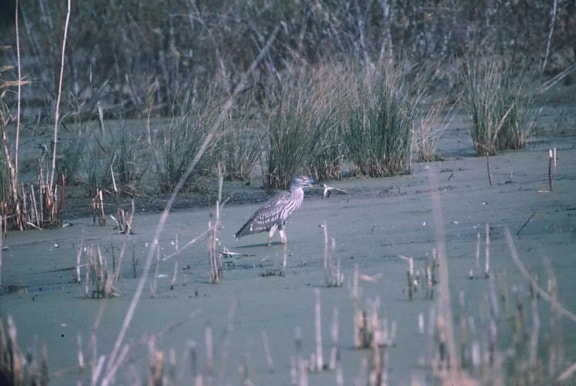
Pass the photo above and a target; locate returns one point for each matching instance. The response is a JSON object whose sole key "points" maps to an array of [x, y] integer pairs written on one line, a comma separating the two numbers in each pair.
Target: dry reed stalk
{"points": [[1, 245], [16, 369], [284, 259], [213, 253], [487, 253], [464, 362], [194, 373], [478, 241], [359, 315], [550, 34], [58, 98], [154, 284], [332, 275], [381, 338], [98, 208], [209, 355], [99, 281], [533, 361], [319, 365], [444, 303], [430, 274], [214, 235], [135, 260], [78, 256], [298, 365], [175, 272], [267, 353], [412, 286], [488, 168], [334, 353], [551, 161], [155, 364]]}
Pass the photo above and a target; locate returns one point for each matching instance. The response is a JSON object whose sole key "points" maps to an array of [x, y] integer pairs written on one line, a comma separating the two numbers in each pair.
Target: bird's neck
{"points": [[297, 193]]}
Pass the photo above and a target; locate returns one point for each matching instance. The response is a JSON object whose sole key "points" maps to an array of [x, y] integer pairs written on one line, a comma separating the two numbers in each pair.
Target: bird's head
{"points": [[301, 181]]}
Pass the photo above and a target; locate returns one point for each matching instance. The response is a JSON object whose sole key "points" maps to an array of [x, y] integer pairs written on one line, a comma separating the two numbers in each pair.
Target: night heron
{"points": [[273, 215]]}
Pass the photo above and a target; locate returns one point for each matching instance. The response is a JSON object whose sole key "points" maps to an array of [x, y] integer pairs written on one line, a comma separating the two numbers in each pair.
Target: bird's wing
{"points": [[266, 216]]}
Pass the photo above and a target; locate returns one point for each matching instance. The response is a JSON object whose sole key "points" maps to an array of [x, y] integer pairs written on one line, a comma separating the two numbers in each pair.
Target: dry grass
{"points": [[499, 104], [380, 124]]}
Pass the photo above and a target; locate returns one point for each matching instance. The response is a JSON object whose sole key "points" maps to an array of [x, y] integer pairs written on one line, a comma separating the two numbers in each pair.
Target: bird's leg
{"points": [[271, 233], [282, 235]]}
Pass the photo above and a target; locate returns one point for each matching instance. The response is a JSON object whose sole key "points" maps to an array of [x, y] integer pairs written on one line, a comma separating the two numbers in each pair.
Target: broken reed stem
{"points": [[1, 246], [358, 313], [214, 275], [298, 371], [209, 354], [326, 252], [533, 343], [488, 169], [17, 361], [444, 303], [551, 161], [478, 240], [487, 253], [267, 352], [98, 208], [78, 256], [334, 332], [214, 235], [410, 275], [318, 318], [156, 364], [430, 274], [154, 284], [134, 260], [332, 274], [177, 252], [284, 258]]}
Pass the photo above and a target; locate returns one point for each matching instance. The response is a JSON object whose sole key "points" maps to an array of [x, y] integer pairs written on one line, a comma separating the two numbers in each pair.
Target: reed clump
{"points": [[499, 104], [302, 129], [380, 123]]}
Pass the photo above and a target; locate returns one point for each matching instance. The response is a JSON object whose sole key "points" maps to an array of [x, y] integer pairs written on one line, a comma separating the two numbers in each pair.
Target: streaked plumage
{"points": [[273, 215]]}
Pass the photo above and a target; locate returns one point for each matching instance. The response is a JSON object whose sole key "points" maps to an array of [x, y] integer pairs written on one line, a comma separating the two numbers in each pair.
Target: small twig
{"points": [[525, 223]]}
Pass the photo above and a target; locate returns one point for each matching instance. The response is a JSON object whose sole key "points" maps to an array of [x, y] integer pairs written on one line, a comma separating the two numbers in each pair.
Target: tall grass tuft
{"points": [[179, 143], [241, 148], [379, 126], [500, 111], [429, 129], [303, 130]]}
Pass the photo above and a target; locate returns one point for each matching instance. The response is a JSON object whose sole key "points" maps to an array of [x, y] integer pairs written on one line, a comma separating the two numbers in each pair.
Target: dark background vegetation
{"points": [[138, 58]]}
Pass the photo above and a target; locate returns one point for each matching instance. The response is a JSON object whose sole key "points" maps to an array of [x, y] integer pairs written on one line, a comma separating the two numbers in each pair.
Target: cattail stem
{"points": [[487, 253], [318, 318], [551, 161]]}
